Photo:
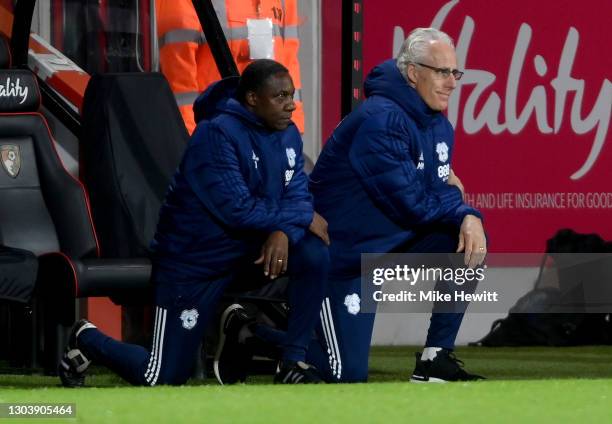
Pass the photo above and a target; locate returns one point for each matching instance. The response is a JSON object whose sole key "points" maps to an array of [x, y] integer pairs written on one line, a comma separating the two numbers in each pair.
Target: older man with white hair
{"points": [[384, 183]]}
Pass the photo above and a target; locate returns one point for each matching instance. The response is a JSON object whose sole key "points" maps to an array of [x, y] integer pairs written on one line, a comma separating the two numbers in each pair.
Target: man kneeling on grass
{"points": [[239, 197], [384, 183]]}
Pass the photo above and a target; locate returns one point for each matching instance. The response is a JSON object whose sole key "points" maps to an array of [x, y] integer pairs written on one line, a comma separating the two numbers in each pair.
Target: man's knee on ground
{"points": [[175, 374], [167, 381], [353, 372]]}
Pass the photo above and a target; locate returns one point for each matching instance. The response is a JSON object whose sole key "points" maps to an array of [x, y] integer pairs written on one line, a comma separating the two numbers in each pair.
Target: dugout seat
{"points": [[45, 210]]}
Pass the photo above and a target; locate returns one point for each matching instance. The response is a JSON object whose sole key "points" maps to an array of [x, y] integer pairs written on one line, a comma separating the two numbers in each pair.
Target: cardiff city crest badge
{"points": [[352, 303], [290, 156], [189, 318], [442, 150]]}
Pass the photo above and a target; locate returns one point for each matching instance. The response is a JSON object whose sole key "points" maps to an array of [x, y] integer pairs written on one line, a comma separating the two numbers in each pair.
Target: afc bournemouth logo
{"points": [[11, 159], [189, 318], [290, 156]]}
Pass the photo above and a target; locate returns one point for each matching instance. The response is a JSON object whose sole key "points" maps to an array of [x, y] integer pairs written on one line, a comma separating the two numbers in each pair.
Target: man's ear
{"points": [[411, 73], [251, 98]]}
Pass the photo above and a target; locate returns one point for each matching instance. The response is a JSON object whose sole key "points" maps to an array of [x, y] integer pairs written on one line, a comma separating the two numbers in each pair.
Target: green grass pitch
{"points": [[534, 385]]}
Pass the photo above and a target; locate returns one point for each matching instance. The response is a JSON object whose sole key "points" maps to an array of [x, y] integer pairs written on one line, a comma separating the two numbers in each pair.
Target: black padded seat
{"points": [[5, 53]]}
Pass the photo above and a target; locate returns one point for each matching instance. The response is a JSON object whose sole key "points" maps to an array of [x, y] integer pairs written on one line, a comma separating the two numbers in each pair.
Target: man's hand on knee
{"points": [[472, 241], [274, 254]]}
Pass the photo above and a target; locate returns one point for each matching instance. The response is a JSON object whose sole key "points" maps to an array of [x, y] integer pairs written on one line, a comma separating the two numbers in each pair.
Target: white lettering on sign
{"points": [[540, 200], [515, 121], [14, 89]]}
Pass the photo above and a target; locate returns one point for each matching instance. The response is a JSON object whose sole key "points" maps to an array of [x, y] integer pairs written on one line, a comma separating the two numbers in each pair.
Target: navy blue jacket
{"points": [[383, 173], [237, 182]]}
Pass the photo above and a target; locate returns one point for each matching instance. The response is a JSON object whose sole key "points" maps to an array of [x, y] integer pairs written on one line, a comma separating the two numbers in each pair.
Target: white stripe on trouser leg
{"points": [[334, 347], [154, 347], [154, 350], [332, 332], [328, 327], [333, 362], [161, 348], [155, 360], [330, 354]]}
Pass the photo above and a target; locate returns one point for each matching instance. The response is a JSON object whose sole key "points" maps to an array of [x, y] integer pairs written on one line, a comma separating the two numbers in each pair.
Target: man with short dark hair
{"points": [[384, 184], [238, 198]]}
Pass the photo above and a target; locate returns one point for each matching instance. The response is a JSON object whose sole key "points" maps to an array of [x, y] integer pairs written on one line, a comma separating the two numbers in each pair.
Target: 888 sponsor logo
{"points": [[444, 171]]}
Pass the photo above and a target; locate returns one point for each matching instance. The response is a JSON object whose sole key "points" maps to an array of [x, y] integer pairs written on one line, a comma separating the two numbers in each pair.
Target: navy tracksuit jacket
{"points": [[237, 182]]}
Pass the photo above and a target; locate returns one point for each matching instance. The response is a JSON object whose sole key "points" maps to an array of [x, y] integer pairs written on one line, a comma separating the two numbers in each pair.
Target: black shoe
{"points": [[72, 366], [297, 373], [232, 358], [444, 367]]}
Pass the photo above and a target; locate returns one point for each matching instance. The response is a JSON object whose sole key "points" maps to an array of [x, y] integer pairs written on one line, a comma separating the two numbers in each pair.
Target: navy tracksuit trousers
{"points": [[344, 336], [183, 311]]}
